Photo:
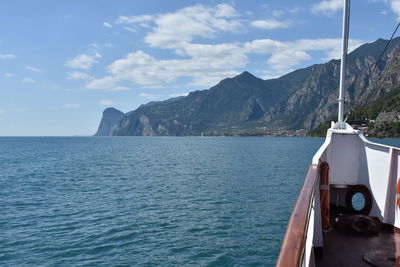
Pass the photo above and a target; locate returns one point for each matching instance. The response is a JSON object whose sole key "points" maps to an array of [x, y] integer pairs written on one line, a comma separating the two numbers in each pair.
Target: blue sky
{"points": [[63, 62]]}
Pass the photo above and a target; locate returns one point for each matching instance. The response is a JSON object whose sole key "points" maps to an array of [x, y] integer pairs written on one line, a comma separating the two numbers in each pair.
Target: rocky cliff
{"points": [[109, 122], [303, 99]]}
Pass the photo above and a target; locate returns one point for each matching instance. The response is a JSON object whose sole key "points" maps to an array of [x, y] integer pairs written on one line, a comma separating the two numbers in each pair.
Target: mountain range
{"points": [[246, 105]]}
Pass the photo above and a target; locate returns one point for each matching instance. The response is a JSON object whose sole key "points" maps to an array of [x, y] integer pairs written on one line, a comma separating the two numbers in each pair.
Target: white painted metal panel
{"points": [[344, 159], [390, 206], [321, 154], [397, 221], [378, 166]]}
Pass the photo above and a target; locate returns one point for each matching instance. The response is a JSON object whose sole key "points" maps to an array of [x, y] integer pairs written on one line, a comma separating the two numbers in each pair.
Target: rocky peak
{"points": [[109, 121]]}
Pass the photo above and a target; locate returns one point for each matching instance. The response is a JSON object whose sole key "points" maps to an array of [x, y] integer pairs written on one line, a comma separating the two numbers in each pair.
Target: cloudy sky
{"points": [[63, 62]]}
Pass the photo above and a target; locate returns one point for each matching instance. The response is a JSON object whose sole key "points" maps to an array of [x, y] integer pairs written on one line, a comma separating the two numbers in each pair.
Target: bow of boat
{"points": [[322, 229]]}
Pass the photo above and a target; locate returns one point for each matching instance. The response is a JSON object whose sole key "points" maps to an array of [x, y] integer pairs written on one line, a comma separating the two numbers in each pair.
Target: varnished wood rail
{"points": [[293, 246]]}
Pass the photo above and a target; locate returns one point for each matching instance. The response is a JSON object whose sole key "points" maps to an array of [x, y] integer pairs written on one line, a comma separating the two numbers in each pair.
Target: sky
{"points": [[63, 62]]}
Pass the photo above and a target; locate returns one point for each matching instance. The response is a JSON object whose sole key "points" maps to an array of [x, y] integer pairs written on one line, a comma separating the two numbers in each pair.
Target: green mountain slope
{"points": [[380, 118]]}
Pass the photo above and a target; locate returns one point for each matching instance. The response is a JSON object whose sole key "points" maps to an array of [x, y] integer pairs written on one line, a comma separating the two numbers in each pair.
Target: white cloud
{"points": [[77, 75], [264, 46], [184, 25], [278, 13], [107, 24], [103, 83], [7, 56], [120, 88], [178, 94], [206, 62], [8, 74], [272, 74], [33, 69], [287, 59], [327, 7], [149, 96], [141, 68], [395, 6], [213, 78], [105, 102], [129, 29], [226, 11], [72, 106], [133, 19], [206, 65], [285, 55], [331, 46], [27, 80], [96, 47], [214, 57], [83, 61], [175, 31], [270, 24], [107, 83]]}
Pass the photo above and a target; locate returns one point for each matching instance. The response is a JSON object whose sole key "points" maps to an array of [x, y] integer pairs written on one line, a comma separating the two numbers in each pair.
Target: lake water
{"points": [[148, 201]]}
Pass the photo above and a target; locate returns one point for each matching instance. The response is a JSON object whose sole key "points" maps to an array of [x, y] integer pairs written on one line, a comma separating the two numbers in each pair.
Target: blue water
{"points": [[148, 201]]}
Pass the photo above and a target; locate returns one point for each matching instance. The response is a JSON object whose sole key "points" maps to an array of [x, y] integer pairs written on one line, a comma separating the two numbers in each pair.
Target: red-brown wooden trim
{"points": [[293, 245]]}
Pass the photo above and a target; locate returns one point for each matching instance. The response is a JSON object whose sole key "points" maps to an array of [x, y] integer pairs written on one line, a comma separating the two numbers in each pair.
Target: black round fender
{"points": [[367, 196]]}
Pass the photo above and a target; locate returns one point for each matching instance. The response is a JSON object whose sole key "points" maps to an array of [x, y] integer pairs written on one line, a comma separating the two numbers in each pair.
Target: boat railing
{"points": [[380, 171], [375, 166], [297, 244]]}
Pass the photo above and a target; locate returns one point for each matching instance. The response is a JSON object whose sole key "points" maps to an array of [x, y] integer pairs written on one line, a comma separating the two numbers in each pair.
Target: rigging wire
{"points": [[384, 50], [380, 57]]}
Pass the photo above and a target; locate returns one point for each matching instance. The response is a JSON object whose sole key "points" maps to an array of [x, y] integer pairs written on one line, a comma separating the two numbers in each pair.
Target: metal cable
{"points": [[384, 50], [380, 57]]}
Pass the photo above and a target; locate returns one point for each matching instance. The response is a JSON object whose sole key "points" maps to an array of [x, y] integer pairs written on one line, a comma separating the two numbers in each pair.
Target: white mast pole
{"points": [[345, 41]]}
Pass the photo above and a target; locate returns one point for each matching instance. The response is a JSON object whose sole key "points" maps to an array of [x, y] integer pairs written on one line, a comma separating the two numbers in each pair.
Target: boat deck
{"points": [[349, 249]]}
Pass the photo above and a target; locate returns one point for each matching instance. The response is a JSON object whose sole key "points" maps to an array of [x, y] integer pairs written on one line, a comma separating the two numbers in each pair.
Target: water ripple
{"points": [[147, 201]]}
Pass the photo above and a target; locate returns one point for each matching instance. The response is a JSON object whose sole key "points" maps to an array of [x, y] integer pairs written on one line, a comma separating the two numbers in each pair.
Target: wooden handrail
{"points": [[293, 245]]}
